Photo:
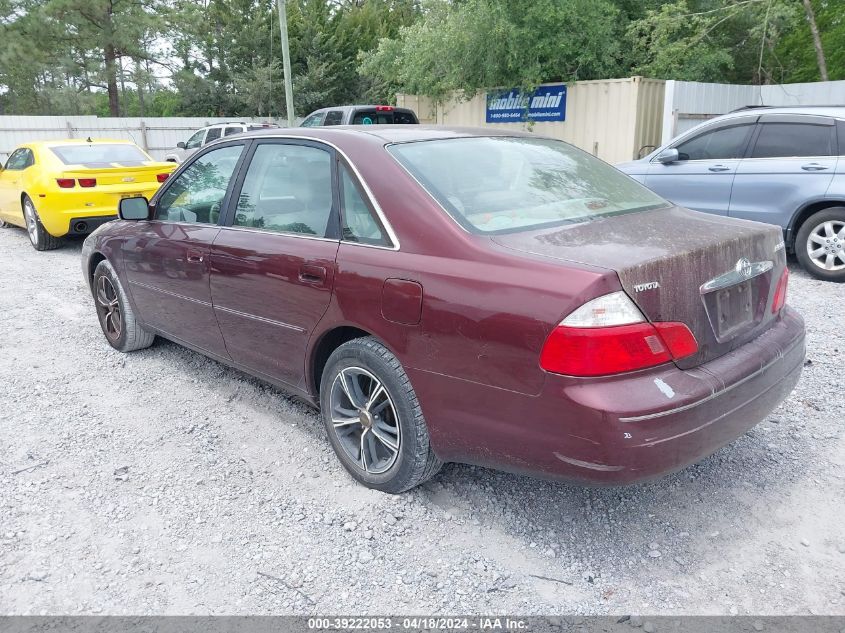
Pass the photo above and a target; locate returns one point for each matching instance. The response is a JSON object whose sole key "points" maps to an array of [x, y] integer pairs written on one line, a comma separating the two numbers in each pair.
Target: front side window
{"points": [[359, 223], [213, 134], [20, 159], [721, 144], [314, 120], [334, 117], [782, 140], [506, 184], [195, 141], [196, 195], [288, 189]]}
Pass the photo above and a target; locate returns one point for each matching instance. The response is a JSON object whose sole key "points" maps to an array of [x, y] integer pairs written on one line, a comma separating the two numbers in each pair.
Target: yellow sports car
{"points": [[58, 188]]}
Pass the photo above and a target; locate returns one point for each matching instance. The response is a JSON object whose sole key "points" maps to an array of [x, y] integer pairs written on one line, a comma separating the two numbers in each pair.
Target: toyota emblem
{"points": [[743, 267]]}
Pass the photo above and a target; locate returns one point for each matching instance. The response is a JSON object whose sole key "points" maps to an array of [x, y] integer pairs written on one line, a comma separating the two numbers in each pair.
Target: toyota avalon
{"points": [[454, 295]]}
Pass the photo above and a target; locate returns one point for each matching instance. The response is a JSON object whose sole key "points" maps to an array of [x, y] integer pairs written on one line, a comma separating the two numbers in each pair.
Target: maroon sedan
{"points": [[459, 295]]}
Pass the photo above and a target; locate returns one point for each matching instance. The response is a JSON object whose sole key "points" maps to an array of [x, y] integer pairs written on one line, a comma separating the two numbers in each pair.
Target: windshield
{"points": [[99, 154], [504, 184]]}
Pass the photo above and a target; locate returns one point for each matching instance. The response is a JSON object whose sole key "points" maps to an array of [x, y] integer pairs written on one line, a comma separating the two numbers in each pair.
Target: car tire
{"points": [[821, 240], [117, 320], [40, 239], [380, 437]]}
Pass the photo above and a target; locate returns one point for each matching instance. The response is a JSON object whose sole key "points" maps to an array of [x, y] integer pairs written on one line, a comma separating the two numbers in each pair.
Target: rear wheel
{"points": [[820, 244], [39, 237], [373, 419], [121, 328]]}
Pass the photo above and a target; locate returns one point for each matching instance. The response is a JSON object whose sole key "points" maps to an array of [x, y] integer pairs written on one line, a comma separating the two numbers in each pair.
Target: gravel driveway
{"points": [[161, 482]]}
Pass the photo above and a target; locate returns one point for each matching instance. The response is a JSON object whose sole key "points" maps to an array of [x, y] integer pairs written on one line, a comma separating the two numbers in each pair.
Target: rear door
{"points": [[703, 176], [273, 263], [791, 162], [167, 257]]}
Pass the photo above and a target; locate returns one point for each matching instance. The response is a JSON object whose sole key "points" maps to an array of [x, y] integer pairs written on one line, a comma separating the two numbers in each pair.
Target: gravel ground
{"points": [[162, 482]]}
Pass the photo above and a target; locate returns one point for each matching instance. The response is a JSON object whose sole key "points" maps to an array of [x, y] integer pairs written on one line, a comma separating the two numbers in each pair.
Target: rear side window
{"points": [[334, 117], [782, 140], [99, 154], [359, 223], [288, 189], [724, 143], [232, 130], [213, 134], [506, 184]]}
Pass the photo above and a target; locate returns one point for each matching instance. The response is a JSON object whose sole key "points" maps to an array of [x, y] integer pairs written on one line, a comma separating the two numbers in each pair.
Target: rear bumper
{"points": [[84, 225], [626, 428], [59, 212]]}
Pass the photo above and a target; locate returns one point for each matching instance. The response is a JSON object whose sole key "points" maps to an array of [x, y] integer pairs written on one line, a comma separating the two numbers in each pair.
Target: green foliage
{"points": [[477, 44], [223, 58]]}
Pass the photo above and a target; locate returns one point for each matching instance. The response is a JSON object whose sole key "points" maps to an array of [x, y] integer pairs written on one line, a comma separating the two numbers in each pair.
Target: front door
{"points": [[11, 185], [273, 264], [167, 260], [702, 177]]}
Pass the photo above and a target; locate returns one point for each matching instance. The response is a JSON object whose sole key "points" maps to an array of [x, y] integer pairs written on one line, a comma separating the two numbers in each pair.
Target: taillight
{"points": [[162, 177], [87, 182], [609, 335], [384, 108], [780, 292], [66, 183]]}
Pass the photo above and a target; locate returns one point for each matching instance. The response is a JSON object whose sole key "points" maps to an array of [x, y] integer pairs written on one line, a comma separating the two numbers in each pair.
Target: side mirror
{"points": [[134, 209], [668, 156], [181, 144]]}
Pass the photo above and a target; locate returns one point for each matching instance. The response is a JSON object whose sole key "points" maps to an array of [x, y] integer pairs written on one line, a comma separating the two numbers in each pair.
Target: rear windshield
{"points": [[99, 153], [374, 117], [505, 184]]}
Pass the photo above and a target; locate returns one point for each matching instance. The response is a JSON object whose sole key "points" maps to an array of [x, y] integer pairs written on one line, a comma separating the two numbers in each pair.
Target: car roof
{"points": [[372, 106], [387, 133], [833, 111]]}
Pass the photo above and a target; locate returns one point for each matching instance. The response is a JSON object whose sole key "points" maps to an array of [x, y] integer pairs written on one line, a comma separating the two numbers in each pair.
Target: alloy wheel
{"points": [[108, 308], [31, 221], [826, 245], [364, 420]]}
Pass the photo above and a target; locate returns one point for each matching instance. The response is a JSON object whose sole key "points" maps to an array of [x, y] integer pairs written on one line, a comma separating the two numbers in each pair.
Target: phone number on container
{"points": [[389, 623]]}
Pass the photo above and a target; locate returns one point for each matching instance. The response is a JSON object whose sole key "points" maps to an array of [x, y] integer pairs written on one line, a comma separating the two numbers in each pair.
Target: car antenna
{"points": [[88, 140]]}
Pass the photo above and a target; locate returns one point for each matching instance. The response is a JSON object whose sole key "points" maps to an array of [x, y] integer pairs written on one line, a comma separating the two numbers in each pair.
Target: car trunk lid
{"points": [[717, 275], [119, 174]]}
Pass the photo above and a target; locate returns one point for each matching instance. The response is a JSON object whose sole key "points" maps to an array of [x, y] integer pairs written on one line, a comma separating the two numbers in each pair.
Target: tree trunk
{"points": [[139, 84], [110, 57], [111, 79], [817, 40]]}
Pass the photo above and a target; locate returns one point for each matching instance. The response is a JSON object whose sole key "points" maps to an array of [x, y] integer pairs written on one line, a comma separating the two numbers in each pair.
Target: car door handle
{"points": [[813, 167], [194, 257], [719, 168], [310, 274]]}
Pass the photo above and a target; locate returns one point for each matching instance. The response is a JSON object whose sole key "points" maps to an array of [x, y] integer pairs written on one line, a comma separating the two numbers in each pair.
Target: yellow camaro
{"points": [[58, 188]]}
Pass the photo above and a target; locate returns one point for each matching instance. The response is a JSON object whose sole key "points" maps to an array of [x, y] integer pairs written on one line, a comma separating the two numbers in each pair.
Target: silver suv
{"points": [[784, 166], [210, 133]]}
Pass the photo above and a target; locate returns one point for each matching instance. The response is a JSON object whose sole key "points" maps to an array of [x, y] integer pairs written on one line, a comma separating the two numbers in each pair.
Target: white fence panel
{"points": [[688, 103], [156, 134]]}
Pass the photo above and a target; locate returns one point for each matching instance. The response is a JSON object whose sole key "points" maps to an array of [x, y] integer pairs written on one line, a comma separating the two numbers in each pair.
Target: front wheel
{"points": [[39, 237], [373, 419], [820, 244], [122, 330]]}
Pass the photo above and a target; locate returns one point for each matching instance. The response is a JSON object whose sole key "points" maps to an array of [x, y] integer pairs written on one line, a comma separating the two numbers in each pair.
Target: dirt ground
{"points": [[162, 482]]}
